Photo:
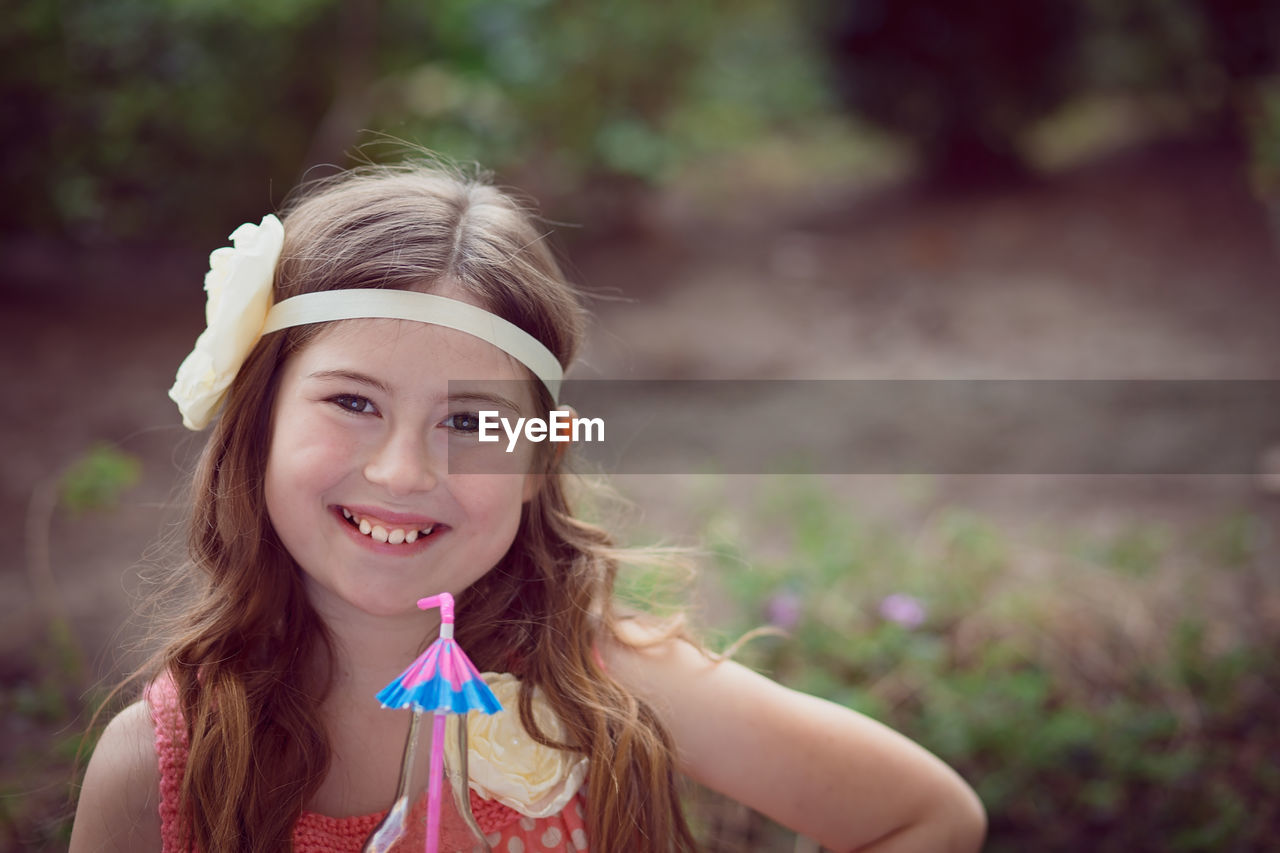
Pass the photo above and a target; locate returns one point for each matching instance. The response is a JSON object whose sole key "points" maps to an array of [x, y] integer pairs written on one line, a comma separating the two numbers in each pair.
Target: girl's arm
{"points": [[826, 772], [119, 803]]}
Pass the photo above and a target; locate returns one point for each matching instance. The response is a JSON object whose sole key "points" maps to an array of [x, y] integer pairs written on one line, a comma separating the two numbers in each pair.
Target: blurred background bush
{"points": [[838, 189], [118, 116], [1105, 692]]}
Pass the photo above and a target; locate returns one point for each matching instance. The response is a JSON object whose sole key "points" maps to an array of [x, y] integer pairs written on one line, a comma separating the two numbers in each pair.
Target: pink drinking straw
{"points": [[443, 681]]}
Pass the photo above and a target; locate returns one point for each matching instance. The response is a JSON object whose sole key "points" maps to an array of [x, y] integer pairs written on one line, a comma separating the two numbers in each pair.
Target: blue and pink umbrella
{"points": [[442, 681]]}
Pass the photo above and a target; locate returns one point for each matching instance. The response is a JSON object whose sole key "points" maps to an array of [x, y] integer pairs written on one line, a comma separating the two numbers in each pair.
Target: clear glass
{"points": [[404, 827]]}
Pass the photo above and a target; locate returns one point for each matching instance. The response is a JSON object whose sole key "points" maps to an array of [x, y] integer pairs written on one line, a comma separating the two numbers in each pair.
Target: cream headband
{"points": [[238, 312]]}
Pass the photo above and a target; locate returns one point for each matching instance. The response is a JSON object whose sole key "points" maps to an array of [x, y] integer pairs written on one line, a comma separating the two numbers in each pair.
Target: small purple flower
{"points": [[783, 610], [904, 610]]}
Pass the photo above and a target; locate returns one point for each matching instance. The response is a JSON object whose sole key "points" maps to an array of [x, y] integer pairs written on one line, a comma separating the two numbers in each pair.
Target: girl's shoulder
{"points": [[118, 807]]}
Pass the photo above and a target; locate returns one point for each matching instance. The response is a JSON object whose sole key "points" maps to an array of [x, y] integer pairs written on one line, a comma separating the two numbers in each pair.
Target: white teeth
{"points": [[378, 533]]}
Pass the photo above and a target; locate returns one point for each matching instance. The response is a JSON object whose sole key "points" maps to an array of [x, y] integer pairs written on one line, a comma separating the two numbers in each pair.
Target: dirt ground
{"points": [[1147, 264], [1155, 263]]}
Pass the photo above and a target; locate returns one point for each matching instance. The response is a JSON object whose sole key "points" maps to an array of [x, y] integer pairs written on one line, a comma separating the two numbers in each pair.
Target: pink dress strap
{"points": [[171, 750], [505, 829]]}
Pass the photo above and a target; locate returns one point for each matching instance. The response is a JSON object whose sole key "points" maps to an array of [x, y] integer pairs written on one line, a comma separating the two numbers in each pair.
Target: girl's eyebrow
{"points": [[483, 397], [352, 376]]}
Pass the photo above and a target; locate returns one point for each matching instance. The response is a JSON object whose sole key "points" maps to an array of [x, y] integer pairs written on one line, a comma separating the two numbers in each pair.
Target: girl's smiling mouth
{"points": [[393, 532]]}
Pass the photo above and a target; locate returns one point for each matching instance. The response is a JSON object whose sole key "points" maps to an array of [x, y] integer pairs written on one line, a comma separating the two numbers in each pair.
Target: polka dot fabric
{"points": [[563, 833], [506, 830]]}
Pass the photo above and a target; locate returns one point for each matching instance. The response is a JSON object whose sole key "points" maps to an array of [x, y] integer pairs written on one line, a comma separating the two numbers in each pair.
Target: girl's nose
{"points": [[403, 463]]}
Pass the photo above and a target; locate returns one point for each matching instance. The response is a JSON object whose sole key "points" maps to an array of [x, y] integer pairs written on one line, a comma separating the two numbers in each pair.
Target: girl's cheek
{"points": [[499, 498]]}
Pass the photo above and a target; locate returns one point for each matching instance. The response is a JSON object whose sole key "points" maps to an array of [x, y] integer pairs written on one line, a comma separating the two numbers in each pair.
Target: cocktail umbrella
{"points": [[443, 681]]}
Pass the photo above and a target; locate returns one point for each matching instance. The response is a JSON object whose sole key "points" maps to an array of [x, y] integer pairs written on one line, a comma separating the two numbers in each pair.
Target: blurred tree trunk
{"points": [[353, 75]]}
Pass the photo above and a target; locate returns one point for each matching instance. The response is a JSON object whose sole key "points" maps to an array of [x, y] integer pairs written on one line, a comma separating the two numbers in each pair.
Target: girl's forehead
{"points": [[375, 338], [411, 354]]}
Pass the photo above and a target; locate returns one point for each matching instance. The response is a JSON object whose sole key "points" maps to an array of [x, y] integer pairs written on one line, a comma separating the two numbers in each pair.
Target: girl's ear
{"points": [[560, 441]]}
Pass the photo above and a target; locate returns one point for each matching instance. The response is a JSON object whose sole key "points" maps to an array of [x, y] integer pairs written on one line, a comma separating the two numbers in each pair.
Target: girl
{"points": [[325, 506]]}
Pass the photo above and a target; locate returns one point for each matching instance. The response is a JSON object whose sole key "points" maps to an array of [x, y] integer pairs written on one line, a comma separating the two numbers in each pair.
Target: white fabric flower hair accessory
{"points": [[238, 311], [505, 764], [238, 285]]}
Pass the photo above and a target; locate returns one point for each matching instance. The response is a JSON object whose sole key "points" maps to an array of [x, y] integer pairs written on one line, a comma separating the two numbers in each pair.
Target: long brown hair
{"points": [[255, 657]]}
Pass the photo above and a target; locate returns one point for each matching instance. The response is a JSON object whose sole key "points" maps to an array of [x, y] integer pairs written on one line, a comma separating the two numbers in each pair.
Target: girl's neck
{"points": [[365, 739]]}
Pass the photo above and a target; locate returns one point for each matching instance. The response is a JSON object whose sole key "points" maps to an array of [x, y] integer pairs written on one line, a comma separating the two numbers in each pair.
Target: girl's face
{"points": [[357, 480]]}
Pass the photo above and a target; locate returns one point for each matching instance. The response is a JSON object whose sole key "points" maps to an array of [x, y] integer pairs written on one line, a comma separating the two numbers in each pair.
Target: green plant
{"points": [[44, 701], [1087, 687], [97, 479]]}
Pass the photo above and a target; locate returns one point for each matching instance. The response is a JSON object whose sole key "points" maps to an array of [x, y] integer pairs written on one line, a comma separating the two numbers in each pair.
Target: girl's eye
{"points": [[463, 422], [354, 403]]}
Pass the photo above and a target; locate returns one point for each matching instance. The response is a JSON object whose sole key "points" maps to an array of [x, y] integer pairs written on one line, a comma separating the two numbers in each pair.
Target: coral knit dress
{"points": [[506, 830]]}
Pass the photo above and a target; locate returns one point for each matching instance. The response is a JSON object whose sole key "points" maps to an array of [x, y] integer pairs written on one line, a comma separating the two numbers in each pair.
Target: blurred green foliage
{"points": [[963, 82], [164, 119], [153, 120], [575, 86], [1264, 136], [98, 478], [44, 697], [1087, 714], [169, 120]]}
